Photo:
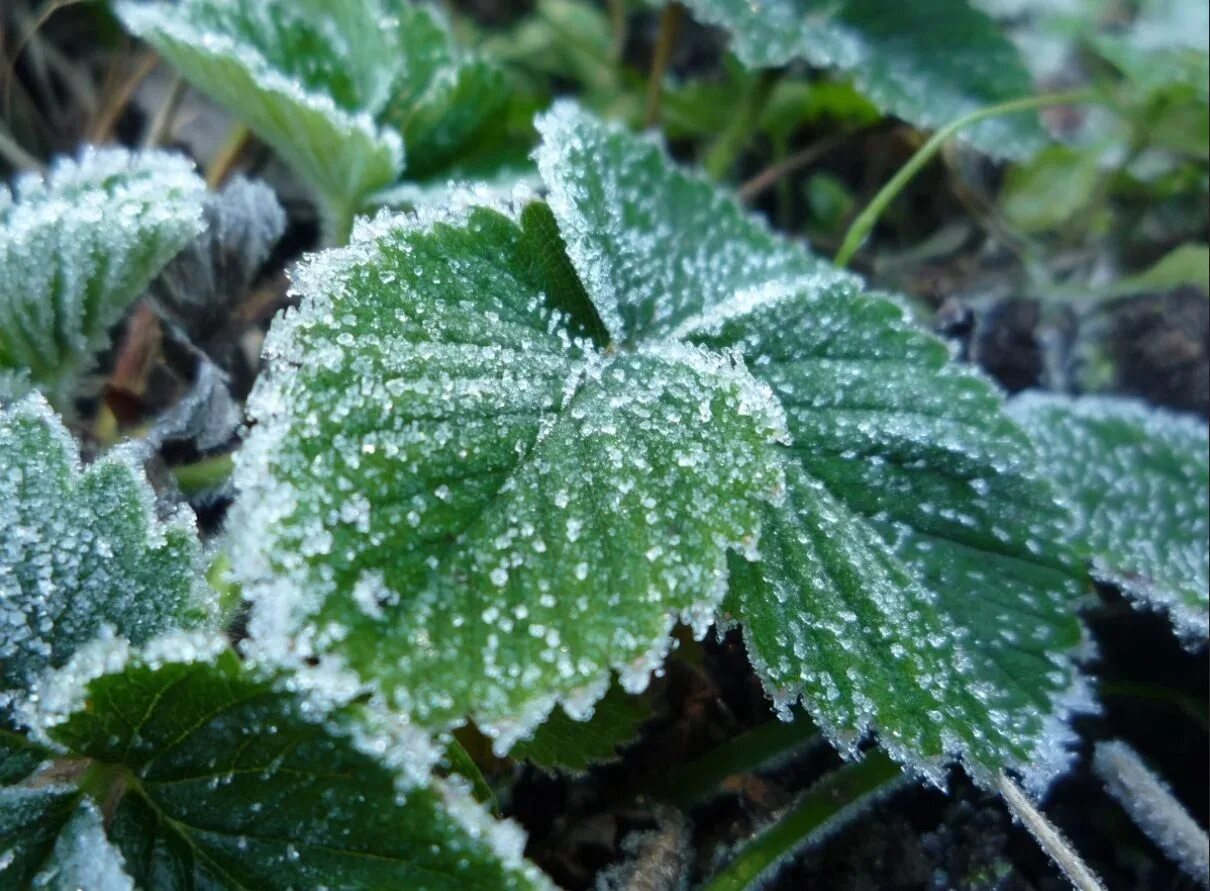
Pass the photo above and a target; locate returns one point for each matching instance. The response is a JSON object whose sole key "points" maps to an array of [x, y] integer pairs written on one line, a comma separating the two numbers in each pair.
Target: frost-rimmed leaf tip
{"points": [[213, 775], [927, 61], [1138, 479], [499, 451], [336, 89], [79, 245], [83, 548]]}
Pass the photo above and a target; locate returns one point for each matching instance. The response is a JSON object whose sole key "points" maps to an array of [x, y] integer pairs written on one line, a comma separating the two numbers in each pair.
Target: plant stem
{"points": [[160, 129], [464, 765], [746, 752], [223, 162], [821, 808], [784, 167], [670, 21], [617, 28], [204, 474], [1049, 838], [867, 218], [336, 222], [739, 132]]}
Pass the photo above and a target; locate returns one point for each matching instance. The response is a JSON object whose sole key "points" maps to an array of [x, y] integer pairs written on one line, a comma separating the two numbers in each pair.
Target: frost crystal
{"points": [[82, 548], [497, 455], [1138, 479], [77, 248], [927, 61]]}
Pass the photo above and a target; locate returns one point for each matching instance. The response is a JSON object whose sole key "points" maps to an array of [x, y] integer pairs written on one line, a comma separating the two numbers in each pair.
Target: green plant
{"points": [[928, 62], [338, 90], [606, 423], [78, 246], [516, 452]]}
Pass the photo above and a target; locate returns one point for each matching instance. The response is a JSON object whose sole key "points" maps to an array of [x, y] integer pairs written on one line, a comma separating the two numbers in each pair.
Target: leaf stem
{"points": [[617, 28], [336, 221], [204, 474], [867, 218], [1048, 837], [783, 167], [223, 162], [821, 808], [747, 752], [670, 22]]}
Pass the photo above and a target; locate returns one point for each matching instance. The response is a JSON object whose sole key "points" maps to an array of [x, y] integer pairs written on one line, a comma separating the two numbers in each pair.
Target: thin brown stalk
{"points": [[774, 173], [670, 23]]}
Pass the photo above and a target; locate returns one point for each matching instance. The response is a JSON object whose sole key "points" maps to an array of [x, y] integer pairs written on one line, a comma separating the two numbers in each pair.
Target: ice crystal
{"points": [[78, 246]]}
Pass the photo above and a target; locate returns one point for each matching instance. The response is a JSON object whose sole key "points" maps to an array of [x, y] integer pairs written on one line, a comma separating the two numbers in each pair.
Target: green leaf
{"points": [[1051, 189], [336, 89], [213, 776], [1139, 481], [31, 818], [928, 62], [78, 246], [654, 248], [83, 857], [566, 744], [909, 492], [452, 503], [489, 515], [83, 548], [18, 756], [1186, 264]]}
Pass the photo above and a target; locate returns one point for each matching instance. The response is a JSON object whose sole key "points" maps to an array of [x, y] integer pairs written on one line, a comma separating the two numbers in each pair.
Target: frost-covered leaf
{"points": [[212, 776], [472, 495], [564, 743], [201, 286], [79, 245], [486, 516], [31, 818], [915, 544], [82, 548], [654, 248], [1138, 479], [927, 61], [83, 857], [336, 89], [18, 755]]}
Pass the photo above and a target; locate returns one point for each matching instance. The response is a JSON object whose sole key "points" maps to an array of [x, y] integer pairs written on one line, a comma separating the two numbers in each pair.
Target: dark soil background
{"points": [[69, 76]]}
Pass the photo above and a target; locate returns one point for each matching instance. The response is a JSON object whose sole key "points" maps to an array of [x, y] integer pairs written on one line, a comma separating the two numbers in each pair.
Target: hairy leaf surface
{"points": [[82, 548], [215, 777], [79, 245], [1139, 482], [336, 89], [473, 474], [476, 503], [928, 61], [915, 542]]}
